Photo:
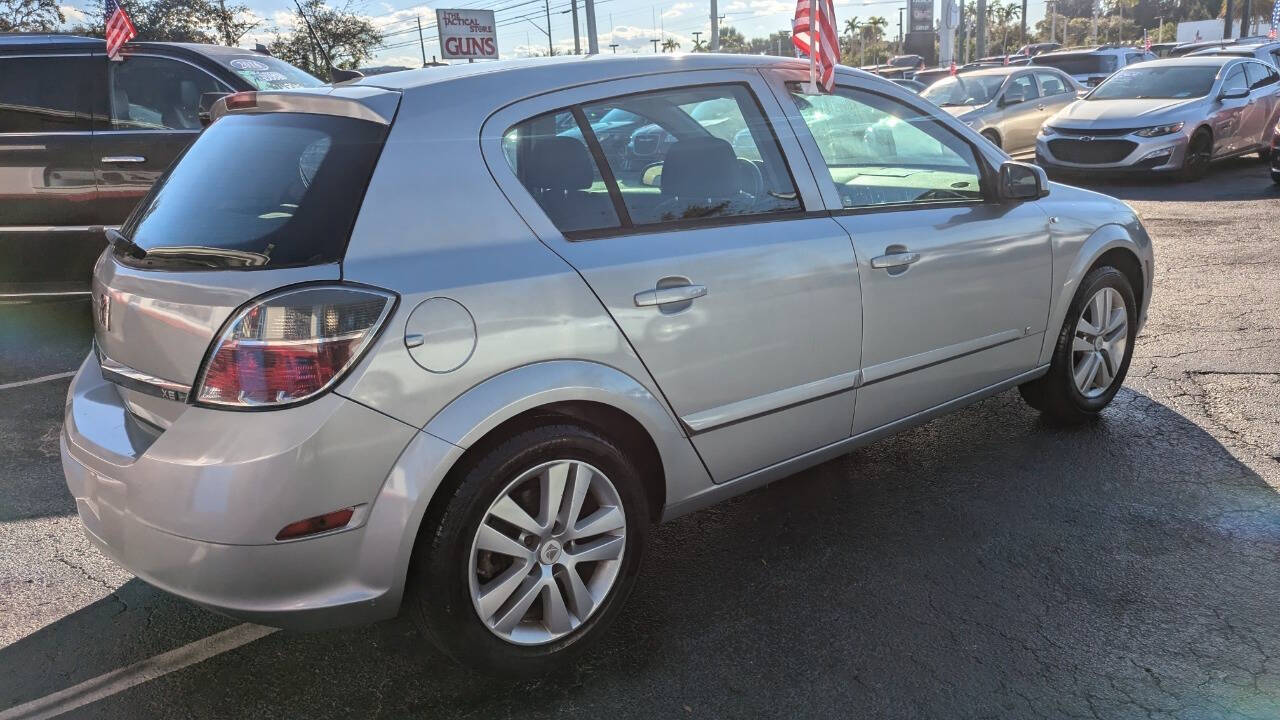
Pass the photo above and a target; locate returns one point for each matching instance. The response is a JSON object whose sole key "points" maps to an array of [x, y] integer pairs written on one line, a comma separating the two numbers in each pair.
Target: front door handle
{"points": [[668, 295], [1040, 107], [894, 260], [123, 159]]}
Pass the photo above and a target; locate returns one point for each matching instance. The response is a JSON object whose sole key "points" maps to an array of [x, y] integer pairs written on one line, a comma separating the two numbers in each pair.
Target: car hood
{"points": [[1100, 114]]}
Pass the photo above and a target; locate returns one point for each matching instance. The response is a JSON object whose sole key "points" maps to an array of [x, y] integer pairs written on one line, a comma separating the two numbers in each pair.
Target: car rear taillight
{"points": [[289, 347]]}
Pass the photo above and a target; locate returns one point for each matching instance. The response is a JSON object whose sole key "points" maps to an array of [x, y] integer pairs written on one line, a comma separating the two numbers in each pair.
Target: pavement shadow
{"points": [[985, 565], [1242, 178]]}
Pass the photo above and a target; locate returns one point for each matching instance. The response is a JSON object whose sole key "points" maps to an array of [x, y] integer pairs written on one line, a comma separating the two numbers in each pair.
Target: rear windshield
{"points": [[1083, 64], [254, 191], [264, 72]]}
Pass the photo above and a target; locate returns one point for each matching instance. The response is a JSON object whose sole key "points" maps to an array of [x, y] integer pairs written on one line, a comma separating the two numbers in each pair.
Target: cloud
{"points": [[73, 14], [676, 10]]}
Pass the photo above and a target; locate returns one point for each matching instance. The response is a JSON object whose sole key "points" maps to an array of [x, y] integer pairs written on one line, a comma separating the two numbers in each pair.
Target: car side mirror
{"points": [[1022, 181], [1234, 94], [1013, 96], [652, 176], [206, 105]]}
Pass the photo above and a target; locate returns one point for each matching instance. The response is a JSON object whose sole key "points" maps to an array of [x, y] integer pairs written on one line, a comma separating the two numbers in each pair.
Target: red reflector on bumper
{"points": [[317, 524]]}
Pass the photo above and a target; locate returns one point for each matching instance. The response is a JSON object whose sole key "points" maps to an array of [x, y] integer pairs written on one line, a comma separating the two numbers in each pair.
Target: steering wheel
{"points": [[750, 180], [942, 194]]}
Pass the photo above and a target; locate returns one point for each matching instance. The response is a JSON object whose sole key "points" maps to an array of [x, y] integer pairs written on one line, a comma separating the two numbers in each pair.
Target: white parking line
{"points": [[116, 681], [33, 381]]}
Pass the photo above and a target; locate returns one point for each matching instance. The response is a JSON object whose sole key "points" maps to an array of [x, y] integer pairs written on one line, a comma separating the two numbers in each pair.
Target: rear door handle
{"points": [[894, 260], [123, 159], [667, 295]]}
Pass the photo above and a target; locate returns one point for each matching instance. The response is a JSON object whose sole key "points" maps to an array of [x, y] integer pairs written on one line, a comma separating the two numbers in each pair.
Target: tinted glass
{"points": [[47, 94], [264, 72], [552, 160], [1258, 75], [964, 90], [1052, 83], [1024, 85], [1157, 81], [881, 152], [154, 93], [273, 190], [1235, 80], [1081, 64], [701, 153]]}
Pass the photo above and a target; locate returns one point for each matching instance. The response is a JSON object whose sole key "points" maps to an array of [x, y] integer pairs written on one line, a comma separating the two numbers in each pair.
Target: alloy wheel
{"points": [[547, 552], [1102, 334], [1199, 154]]}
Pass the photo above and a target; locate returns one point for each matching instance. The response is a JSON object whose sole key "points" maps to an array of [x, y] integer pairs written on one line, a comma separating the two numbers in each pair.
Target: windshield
{"points": [[1164, 82], [271, 189], [962, 90], [1082, 64], [264, 72]]}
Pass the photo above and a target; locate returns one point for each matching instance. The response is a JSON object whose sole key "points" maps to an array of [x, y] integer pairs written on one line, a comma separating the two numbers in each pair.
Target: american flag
{"points": [[816, 19], [120, 28], [1275, 20]]}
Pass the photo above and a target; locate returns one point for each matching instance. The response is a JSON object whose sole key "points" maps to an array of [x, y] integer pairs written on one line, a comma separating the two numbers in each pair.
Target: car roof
{"points": [[1088, 50], [562, 72], [1189, 61], [1000, 70], [67, 41]]}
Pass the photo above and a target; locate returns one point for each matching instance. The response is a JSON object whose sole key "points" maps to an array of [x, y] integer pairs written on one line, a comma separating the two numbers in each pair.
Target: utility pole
{"points": [[981, 49], [655, 44], [1160, 29], [614, 47], [1093, 32], [551, 50], [593, 40], [1022, 35], [900, 10], [1053, 20], [577, 41], [421, 43], [715, 27]]}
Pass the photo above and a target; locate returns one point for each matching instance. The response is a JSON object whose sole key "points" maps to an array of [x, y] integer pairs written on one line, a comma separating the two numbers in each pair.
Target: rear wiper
{"points": [[124, 244]]}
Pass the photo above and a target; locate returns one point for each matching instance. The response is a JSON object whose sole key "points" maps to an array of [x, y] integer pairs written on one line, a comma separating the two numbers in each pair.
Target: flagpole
{"points": [[815, 9]]}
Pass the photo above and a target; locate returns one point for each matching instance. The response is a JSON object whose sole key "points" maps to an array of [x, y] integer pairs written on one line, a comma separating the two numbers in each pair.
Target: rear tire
{"points": [[993, 137], [453, 574], [1092, 353], [1195, 163], [1275, 176]]}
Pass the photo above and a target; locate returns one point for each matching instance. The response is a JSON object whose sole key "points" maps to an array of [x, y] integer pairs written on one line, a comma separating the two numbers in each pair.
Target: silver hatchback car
{"points": [[428, 341]]}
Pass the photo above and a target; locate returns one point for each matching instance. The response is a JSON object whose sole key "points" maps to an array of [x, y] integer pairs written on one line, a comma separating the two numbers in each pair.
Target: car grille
{"points": [[1077, 132], [1092, 152]]}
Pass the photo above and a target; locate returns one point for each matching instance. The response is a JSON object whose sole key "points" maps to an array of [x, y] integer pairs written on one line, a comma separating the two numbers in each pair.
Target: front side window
{"points": [[1022, 87], [698, 153], [1236, 79], [1052, 84], [881, 152], [550, 156], [154, 93], [47, 94]]}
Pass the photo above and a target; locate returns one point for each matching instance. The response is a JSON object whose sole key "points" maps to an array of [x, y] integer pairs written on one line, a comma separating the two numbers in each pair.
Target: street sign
{"points": [[921, 16], [467, 34]]}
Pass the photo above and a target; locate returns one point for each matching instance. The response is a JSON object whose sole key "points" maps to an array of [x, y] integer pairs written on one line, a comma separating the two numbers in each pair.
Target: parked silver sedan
{"points": [[1006, 105], [1173, 115], [423, 341]]}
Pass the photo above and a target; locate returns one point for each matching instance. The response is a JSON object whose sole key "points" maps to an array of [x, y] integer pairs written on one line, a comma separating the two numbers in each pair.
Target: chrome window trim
{"points": [[53, 228]]}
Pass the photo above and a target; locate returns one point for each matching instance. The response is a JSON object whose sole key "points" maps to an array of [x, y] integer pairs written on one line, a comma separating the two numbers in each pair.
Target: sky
{"points": [[630, 24]]}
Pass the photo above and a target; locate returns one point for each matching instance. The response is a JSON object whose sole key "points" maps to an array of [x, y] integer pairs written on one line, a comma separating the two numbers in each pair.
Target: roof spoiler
{"points": [[360, 102]]}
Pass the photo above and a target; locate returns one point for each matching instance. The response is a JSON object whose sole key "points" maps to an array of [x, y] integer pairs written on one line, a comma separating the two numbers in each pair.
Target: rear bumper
{"points": [[194, 509]]}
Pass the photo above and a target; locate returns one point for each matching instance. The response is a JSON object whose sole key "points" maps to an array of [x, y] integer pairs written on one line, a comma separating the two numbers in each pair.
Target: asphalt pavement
{"points": [[986, 565]]}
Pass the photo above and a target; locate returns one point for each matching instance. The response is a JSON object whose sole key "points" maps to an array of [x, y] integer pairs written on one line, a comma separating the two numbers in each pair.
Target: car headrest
{"points": [[558, 163], [190, 96], [703, 167]]}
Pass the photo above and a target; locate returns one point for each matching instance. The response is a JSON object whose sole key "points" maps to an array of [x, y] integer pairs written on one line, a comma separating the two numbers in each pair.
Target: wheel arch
{"points": [[1125, 247]]}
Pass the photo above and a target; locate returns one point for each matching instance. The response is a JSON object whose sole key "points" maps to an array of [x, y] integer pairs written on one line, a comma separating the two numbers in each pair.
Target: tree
{"points": [[30, 15], [670, 45], [853, 27], [340, 37], [731, 41], [200, 21], [699, 45]]}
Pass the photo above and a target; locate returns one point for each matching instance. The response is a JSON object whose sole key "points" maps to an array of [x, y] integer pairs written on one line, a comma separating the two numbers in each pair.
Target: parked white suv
{"points": [[1091, 65]]}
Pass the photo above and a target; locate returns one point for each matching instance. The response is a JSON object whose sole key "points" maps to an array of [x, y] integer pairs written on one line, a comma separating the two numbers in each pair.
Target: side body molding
{"points": [[500, 398]]}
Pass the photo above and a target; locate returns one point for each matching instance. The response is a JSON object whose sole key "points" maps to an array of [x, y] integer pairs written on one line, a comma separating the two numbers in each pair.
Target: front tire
{"points": [[532, 554], [1093, 350], [993, 137], [1195, 163]]}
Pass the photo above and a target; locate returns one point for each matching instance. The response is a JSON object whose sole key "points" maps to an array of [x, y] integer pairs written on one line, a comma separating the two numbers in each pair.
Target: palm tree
{"points": [[670, 45], [874, 30], [1008, 13], [699, 45], [852, 26]]}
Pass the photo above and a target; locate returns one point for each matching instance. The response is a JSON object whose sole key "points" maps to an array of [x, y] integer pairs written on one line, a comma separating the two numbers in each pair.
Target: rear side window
{"points": [[1258, 75], [264, 72], [155, 93], [47, 94], [550, 156], [266, 190], [1052, 83]]}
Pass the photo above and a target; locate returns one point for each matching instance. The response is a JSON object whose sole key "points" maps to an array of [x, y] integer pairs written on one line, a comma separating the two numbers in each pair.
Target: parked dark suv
{"points": [[82, 139]]}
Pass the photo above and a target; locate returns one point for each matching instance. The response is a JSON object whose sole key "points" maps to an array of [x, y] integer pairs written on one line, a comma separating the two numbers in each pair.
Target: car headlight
{"points": [[1159, 130]]}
